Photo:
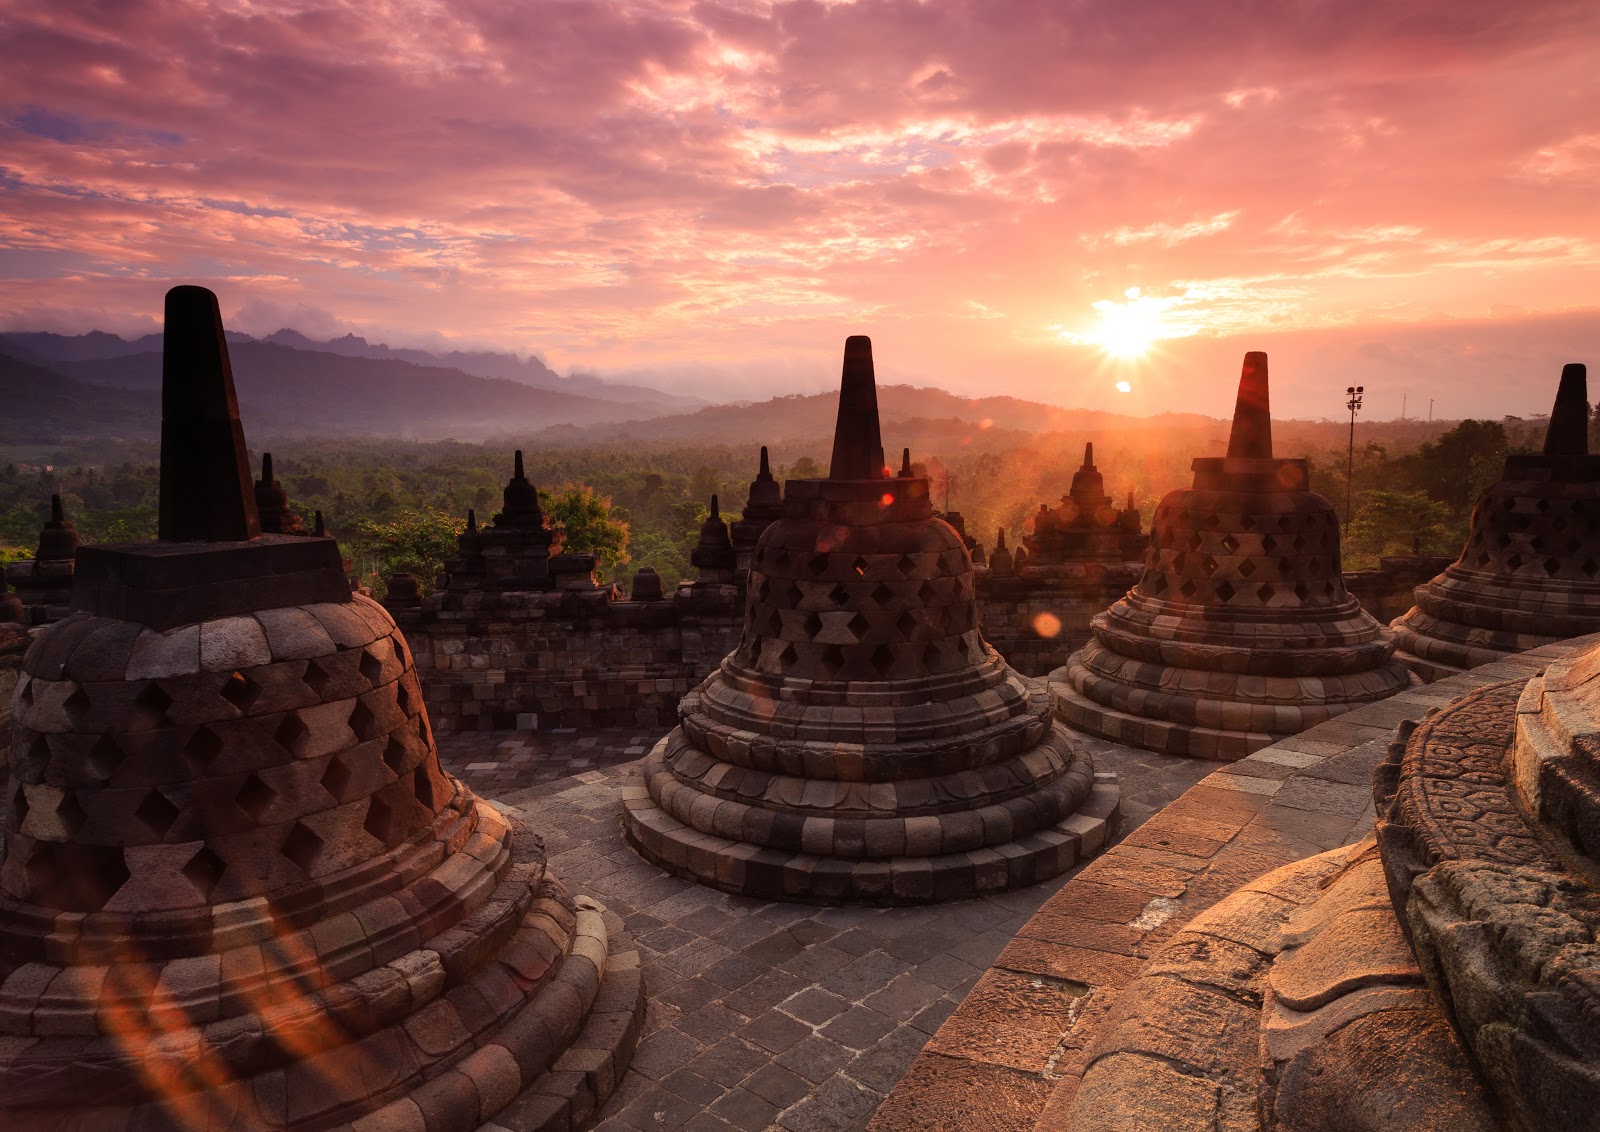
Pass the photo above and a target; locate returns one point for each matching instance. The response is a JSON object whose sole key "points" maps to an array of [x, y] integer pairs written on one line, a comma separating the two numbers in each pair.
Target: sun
{"points": [[1128, 329]]}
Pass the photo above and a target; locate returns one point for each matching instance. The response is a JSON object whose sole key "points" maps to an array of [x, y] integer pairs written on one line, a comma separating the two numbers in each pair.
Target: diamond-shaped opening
{"points": [[832, 660], [859, 566], [1213, 522], [882, 660], [25, 693], [203, 746], [1503, 541], [240, 691], [255, 797], [818, 565], [1551, 566], [933, 658], [1154, 583], [302, 846], [315, 677], [1188, 588], [1285, 522], [1514, 562], [1195, 540], [1573, 546], [1178, 562], [1225, 590], [76, 878], [402, 697], [1230, 544], [927, 593], [1209, 565], [813, 625], [906, 564], [1543, 505], [156, 813], [291, 734], [203, 871], [1299, 544], [1248, 522], [1302, 591], [788, 657], [363, 722], [1590, 567], [839, 596], [1536, 543], [859, 626], [1314, 565], [400, 652], [763, 590], [70, 813], [38, 757], [77, 704], [1247, 568], [394, 755], [103, 758], [336, 778], [422, 785], [1483, 560], [906, 624], [380, 822], [370, 666], [882, 595], [19, 807], [1268, 544], [1266, 592]]}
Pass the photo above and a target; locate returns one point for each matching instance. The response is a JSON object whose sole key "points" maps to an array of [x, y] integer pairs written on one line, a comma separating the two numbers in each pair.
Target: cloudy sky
{"points": [[1036, 197]]}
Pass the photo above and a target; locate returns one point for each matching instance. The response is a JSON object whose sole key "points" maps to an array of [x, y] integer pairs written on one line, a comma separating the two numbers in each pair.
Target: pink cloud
{"points": [[725, 188]]}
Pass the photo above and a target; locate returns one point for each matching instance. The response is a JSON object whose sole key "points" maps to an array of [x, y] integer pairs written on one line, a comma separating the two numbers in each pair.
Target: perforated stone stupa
{"points": [[863, 742], [44, 583], [1529, 574], [1240, 631], [237, 889]]}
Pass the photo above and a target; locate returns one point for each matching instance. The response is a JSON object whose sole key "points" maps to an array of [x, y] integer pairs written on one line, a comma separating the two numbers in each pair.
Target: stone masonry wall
{"points": [[12, 646], [536, 661], [544, 660]]}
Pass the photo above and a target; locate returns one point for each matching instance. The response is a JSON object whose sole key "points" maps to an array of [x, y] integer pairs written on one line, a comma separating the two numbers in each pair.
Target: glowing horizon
{"points": [[710, 197]]}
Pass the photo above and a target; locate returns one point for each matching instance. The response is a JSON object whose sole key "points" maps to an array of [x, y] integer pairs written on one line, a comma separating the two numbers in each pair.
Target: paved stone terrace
{"points": [[762, 1015], [1009, 1059]]}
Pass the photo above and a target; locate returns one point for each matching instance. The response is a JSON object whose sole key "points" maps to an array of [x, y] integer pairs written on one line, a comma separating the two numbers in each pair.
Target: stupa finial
{"points": [[1252, 414], [206, 491], [857, 438], [905, 463], [766, 467], [1568, 433], [1088, 454]]}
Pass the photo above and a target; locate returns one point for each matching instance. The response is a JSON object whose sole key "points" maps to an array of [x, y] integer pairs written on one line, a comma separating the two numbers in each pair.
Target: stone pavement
{"points": [[763, 1015], [1011, 1057]]}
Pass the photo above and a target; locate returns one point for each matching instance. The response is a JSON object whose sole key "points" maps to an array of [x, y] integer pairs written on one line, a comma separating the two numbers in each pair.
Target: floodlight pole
{"points": [[1354, 393]]}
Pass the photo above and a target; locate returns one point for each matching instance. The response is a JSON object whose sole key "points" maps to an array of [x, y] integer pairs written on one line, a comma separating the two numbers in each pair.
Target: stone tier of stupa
{"points": [[1240, 631], [237, 888], [1529, 574], [863, 742]]}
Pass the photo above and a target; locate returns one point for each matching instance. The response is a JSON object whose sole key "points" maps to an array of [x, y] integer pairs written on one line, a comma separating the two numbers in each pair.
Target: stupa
{"points": [[272, 503], [1087, 525], [44, 583], [864, 743], [1529, 574], [1240, 631], [237, 888], [762, 507]]}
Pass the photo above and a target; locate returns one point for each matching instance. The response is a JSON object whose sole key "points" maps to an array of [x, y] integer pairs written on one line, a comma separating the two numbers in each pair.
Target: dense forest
{"points": [[399, 504]]}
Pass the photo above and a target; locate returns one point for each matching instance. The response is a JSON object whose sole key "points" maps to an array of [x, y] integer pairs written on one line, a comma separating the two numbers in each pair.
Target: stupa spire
{"points": [[1252, 415], [1088, 454], [857, 438], [766, 467], [905, 463], [1568, 433], [206, 491]]}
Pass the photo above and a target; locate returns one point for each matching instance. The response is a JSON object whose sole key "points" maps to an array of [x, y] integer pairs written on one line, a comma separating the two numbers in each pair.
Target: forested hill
{"points": [[39, 406], [284, 391]]}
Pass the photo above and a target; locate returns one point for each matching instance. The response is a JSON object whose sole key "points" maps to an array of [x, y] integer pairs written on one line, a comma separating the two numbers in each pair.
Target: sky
{"points": [[1089, 203]]}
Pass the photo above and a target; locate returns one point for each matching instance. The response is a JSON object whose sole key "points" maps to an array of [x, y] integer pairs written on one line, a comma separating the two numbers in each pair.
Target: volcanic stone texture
{"points": [[238, 889], [1528, 575], [1489, 824], [863, 743]]}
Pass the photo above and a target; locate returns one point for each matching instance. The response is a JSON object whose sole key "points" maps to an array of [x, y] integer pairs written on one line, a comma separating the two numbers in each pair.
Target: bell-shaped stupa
{"points": [[1240, 631], [237, 889], [1530, 572], [864, 743]]}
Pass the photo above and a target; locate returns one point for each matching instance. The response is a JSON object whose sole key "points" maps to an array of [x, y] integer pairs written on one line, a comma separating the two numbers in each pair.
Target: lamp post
{"points": [[1354, 405]]}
